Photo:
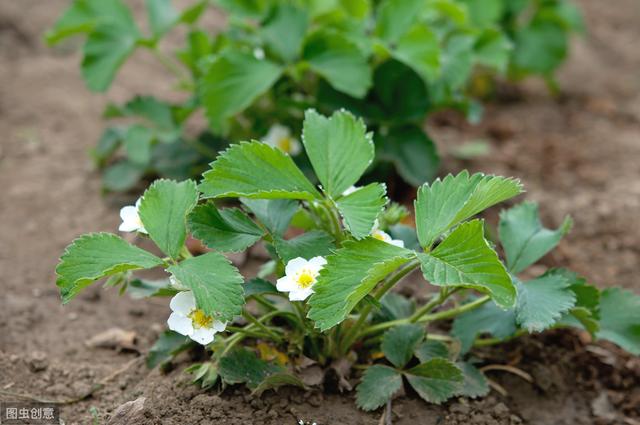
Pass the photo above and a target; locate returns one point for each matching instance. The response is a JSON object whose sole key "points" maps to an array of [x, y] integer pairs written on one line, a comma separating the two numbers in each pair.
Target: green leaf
{"points": [[256, 170], [487, 318], [97, 255], [406, 234], [394, 80], [475, 383], [542, 301], [430, 350], [274, 214], [162, 16], [413, 153], [106, 49], [445, 203], [465, 259], [284, 30], [485, 12], [395, 16], [226, 230], [122, 176], [493, 49], [339, 147], [307, 245], [586, 313], [524, 239], [149, 108], [379, 383], [350, 274], [107, 145], [233, 81], [339, 60], [83, 15], [243, 366], [166, 347], [277, 380], [258, 286], [137, 144], [399, 342], [435, 380], [457, 61], [145, 288], [540, 47], [360, 209], [419, 50], [163, 211], [217, 285], [620, 319], [394, 306]]}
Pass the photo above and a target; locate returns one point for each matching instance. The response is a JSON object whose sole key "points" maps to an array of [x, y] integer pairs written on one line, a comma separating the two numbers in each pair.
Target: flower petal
{"points": [[203, 336], [219, 326], [294, 147], [181, 324], [183, 303], [293, 266], [317, 263], [397, 242], [286, 284], [300, 294]]}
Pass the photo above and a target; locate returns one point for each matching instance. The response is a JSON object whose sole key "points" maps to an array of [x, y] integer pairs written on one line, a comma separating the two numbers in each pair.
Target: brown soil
{"points": [[578, 154]]}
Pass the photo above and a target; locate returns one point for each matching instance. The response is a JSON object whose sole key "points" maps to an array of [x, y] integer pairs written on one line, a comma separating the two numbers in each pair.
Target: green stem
{"points": [[264, 302], [354, 332], [246, 331], [436, 301], [261, 326], [485, 342], [237, 337], [169, 64]]}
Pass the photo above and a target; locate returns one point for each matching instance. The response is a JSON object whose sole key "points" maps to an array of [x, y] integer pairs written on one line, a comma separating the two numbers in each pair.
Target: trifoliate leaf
{"points": [[97, 255], [226, 230], [215, 283], [308, 245], [162, 16], [349, 275], [445, 203], [360, 209], [413, 153], [379, 383], [106, 49], [394, 17], [232, 82], [435, 380], [339, 147], [419, 49], [465, 259], [256, 170], [243, 366], [487, 318], [430, 350], [163, 211], [524, 239], [475, 383], [284, 30], [542, 301], [620, 319], [259, 286], [338, 60], [399, 342], [166, 347], [274, 214]]}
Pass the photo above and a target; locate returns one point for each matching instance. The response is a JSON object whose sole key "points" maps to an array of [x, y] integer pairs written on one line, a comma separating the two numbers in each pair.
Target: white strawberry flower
{"points": [[300, 276], [131, 219], [189, 320], [280, 137], [384, 236]]}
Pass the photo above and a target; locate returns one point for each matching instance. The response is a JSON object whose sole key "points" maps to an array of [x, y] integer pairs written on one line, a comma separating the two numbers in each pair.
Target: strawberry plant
{"points": [[337, 252], [391, 62]]}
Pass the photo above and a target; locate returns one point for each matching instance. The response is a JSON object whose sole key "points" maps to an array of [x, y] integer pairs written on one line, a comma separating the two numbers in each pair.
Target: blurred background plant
{"points": [[393, 62]]}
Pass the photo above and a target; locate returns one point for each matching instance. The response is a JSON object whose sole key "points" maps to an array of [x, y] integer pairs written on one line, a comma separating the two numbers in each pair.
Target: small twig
{"points": [[497, 387], [94, 388], [511, 369]]}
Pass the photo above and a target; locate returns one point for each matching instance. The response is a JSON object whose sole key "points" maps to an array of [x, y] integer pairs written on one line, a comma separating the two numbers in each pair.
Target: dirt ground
{"points": [[578, 154]]}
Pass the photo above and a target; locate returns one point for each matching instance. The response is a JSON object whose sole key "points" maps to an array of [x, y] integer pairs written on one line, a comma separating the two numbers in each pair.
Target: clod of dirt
{"points": [[37, 362], [128, 413], [114, 338], [602, 408]]}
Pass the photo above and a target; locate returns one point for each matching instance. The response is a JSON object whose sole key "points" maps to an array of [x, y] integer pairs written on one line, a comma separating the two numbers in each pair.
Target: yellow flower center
{"points": [[378, 235], [306, 278], [285, 144], [200, 319]]}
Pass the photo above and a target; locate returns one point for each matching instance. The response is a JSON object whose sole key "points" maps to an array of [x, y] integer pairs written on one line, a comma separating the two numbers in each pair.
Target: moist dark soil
{"points": [[577, 153]]}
